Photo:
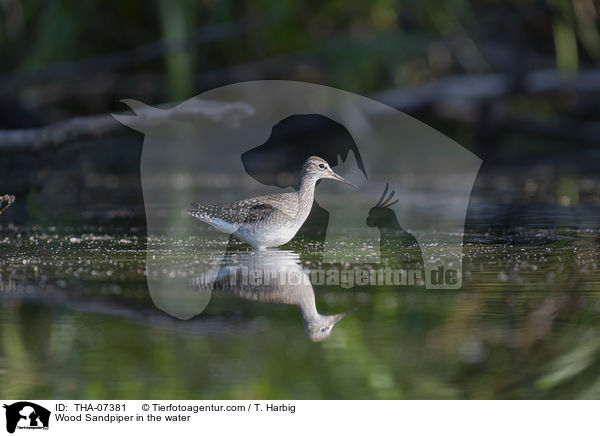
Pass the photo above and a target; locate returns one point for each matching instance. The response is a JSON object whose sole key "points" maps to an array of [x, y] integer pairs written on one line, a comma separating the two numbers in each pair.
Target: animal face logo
{"points": [[247, 140], [26, 415]]}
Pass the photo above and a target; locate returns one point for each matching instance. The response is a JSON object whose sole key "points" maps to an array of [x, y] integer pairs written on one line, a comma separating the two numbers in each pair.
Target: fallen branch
{"points": [[465, 92], [485, 88], [58, 134]]}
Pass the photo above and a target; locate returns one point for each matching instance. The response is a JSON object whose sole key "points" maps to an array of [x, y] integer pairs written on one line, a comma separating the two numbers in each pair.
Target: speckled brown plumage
{"points": [[268, 220]]}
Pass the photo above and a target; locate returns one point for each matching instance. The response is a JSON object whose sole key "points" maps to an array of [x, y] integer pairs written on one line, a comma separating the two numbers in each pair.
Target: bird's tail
{"points": [[210, 215], [197, 210]]}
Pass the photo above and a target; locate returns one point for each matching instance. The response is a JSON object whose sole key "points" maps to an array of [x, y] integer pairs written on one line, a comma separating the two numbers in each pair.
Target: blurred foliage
{"points": [[361, 46]]}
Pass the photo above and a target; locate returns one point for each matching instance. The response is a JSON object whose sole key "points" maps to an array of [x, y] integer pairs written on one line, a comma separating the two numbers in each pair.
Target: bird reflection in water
{"points": [[281, 280]]}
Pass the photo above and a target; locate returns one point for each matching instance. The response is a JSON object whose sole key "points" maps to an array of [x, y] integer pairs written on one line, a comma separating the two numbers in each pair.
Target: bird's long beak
{"points": [[339, 316], [339, 178]]}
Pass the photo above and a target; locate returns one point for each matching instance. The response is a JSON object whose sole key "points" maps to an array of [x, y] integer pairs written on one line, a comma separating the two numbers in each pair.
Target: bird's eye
{"points": [[323, 329], [322, 166]]}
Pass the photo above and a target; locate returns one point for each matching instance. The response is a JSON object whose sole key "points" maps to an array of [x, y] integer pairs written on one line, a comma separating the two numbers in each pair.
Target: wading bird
{"points": [[269, 220]]}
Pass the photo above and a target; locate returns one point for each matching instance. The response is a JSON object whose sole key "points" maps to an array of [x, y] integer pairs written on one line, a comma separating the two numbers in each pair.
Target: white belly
{"points": [[261, 237]]}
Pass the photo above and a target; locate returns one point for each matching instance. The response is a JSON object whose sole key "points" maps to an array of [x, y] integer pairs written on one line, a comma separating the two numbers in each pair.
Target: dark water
{"points": [[77, 321]]}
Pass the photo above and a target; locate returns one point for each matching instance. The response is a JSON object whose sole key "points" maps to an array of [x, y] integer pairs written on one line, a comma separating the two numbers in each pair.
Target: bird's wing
{"points": [[259, 212], [260, 208], [246, 211]]}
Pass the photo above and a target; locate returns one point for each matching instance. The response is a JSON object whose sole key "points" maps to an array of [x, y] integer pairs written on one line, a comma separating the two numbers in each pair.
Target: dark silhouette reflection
{"points": [[279, 160], [399, 249], [273, 276]]}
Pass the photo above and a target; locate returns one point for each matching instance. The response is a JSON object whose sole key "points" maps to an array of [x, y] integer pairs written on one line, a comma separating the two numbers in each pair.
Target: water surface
{"points": [[76, 321]]}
